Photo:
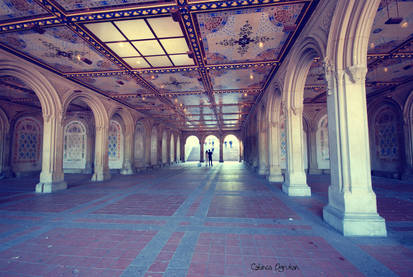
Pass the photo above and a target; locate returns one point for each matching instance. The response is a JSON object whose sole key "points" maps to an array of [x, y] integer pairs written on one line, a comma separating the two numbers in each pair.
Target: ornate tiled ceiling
{"points": [[192, 64]]}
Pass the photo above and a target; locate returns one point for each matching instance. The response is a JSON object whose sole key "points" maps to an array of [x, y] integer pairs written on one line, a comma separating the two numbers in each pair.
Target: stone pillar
{"points": [[101, 170], [90, 149], [274, 170], [127, 168], [221, 150], [241, 151], [168, 150], [147, 146], [313, 167], [52, 176], [5, 168], [295, 183], [352, 207], [202, 154], [262, 151]]}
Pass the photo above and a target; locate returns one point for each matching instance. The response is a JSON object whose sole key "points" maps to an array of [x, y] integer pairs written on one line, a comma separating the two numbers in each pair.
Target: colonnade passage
{"points": [[193, 221]]}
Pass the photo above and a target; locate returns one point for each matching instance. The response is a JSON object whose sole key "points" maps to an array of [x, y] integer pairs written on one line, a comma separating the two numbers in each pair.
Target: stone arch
{"points": [[94, 103], [101, 165], [386, 138], [212, 142], [350, 52], [48, 97], [296, 72]]}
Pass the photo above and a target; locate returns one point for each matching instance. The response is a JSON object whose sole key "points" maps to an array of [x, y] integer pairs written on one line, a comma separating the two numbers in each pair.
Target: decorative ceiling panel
{"points": [[193, 99], [118, 84], [175, 82], [247, 35], [391, 70], [239, 78], [90, 4], [385, 37], [59, 48], [12, 9]]}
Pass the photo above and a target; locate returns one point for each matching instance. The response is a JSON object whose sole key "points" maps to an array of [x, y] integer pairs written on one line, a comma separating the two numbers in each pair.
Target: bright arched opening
{"points": [[115, 145], [74, 145], [192, 149], [212, 143], [231, 149]]}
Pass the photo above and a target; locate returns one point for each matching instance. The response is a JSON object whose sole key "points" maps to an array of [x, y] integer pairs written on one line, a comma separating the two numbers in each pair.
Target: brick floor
{"points": [[194, 221]]}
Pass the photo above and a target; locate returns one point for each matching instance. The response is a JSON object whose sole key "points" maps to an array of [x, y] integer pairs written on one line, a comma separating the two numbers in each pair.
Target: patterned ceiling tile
{"points": [[385, 37], [239, 78], [247, 35], [175, 82], [193, 99], [120, 84], [230, 109], [391, 70], [60, 48], [90, 4], [12, 9]]}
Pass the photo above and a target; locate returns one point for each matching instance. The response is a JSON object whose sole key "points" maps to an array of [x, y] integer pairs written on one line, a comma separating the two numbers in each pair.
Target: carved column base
{"points": [[296, 185], [275, 178], [355, 224], [43, 187], [262, 170], [101, 176]]}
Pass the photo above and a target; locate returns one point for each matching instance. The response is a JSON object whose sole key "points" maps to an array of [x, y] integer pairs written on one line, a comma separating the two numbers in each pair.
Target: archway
{"points": [[27, 145], [172, 148], [74, 146], [139, 149], [192, 149], [231, 151], [154, 146], [212, 143], [164, 147], [386, 141], [115, 144]]}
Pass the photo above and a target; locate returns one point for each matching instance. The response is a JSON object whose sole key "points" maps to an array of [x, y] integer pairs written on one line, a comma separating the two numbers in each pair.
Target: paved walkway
{"points": [[194, 221]]}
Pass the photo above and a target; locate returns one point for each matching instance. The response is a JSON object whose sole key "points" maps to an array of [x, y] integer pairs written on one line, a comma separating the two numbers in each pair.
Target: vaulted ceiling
{"points": [[196, 65]]}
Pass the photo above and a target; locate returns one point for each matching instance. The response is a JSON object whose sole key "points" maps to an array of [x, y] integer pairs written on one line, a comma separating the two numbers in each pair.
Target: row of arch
{"points": [[59, 138], [338, 35], [228, 143]]}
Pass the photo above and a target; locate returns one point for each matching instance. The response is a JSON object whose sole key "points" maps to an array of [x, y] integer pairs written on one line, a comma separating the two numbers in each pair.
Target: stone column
{"points": [[147, 146], [5, 169], [241, 151], [313, 167], [52, 176], [352, 207], [168, 150], [101, 170], [262, 152], [127, 168], [274, 170], [221, 150], [202, 154], [295, 183]]}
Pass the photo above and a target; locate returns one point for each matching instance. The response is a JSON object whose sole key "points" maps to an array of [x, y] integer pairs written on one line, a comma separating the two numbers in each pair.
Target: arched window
{"points": [[115, 145], [387, 135], [74, 145], [27, 141], [323, 155]]}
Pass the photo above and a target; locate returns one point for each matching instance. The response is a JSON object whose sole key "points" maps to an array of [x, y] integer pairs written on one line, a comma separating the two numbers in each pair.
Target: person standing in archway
{"points": [[210, 157]]}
